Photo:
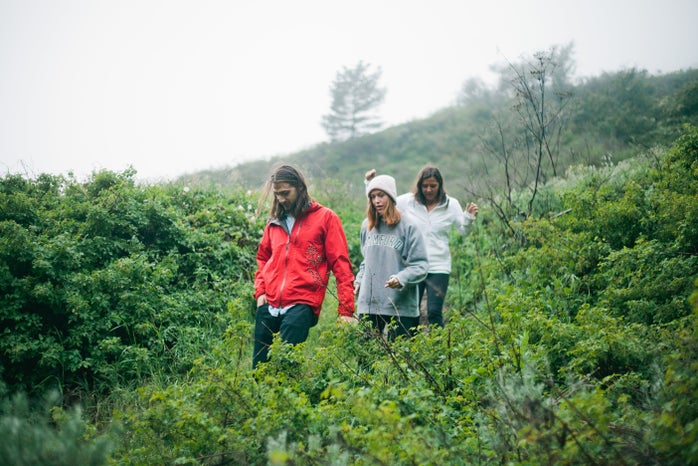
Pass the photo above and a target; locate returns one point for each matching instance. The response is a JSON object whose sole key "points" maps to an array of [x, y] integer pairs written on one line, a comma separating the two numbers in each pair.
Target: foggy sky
{"points": [[176, 86]]}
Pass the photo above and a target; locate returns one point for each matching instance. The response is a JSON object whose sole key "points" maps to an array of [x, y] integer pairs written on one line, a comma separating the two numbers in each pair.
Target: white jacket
{"points": [[436, 226]]}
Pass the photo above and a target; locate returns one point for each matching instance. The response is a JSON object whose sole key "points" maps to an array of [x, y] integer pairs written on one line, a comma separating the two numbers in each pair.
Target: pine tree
{"points": [[355, 96]]}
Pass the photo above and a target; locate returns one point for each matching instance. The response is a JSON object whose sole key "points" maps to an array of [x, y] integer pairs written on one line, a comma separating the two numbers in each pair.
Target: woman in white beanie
{"points": [[395, 261], [436, 214]]}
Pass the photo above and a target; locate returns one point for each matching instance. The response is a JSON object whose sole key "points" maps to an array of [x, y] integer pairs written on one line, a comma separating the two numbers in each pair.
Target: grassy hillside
{"points": [[612, 115]]}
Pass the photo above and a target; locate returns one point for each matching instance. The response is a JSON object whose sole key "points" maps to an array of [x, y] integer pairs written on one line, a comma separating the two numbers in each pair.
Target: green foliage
{"points": [[306, 405], [106, 283], [673, 424], [601, 292], [49, 435], [624, 101]]}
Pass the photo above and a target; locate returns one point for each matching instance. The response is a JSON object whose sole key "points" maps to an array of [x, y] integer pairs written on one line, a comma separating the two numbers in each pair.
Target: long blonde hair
{"points": [[390, 217]]}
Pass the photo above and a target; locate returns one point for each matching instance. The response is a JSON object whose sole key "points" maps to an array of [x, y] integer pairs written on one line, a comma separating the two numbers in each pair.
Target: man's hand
{"points": [[348, 320], [261, 300]]}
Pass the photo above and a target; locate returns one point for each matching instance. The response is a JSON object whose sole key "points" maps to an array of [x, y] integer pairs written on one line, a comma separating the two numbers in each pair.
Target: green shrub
{"points": [[107, 283], [48, 434]]}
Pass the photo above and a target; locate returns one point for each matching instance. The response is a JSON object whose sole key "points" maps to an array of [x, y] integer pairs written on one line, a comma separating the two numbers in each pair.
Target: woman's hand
{"points": [[472, 209], [393, 282], [262, 300]]}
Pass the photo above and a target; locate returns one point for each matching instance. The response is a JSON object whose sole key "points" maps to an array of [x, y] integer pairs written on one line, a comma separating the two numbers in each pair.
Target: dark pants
{"points": [[293, 327], [397, 326], [404, 326], [435, 285]]}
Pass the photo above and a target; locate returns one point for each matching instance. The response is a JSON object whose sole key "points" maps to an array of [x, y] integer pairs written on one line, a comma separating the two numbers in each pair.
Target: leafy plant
{"points": [[49, 434]]}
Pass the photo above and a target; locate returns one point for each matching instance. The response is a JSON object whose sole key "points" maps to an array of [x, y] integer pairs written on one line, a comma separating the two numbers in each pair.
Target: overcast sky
{"points": [[177, 86]]}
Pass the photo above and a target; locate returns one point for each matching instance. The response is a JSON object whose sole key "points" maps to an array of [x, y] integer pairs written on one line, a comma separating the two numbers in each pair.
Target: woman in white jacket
{"points": [[436, 214]]}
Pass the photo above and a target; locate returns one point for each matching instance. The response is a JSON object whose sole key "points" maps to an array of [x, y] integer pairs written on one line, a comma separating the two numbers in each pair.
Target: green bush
{"points": [[107, 283], [48, 434]]}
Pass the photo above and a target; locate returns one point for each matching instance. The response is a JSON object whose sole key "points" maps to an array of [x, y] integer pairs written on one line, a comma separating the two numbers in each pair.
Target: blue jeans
{"points": [[435, 285], [293, 327]]}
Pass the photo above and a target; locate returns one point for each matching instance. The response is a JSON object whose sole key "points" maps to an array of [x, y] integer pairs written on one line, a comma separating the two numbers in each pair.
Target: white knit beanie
{"points": [[385, 183]]}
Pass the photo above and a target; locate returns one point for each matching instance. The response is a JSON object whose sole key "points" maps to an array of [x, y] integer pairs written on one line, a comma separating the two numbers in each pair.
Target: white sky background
{"points": [[175, 86]]}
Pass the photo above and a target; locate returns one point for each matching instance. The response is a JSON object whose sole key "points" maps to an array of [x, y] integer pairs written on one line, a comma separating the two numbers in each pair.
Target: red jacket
{"points": [[295, 268]]}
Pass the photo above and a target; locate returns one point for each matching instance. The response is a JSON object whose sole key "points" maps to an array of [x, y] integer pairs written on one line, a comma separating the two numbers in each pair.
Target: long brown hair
{"points": [[284, 173], [390, 217], [429, 171]]}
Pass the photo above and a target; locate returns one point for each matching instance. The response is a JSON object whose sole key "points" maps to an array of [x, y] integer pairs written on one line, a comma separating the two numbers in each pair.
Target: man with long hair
{"points": [[302, 243]]}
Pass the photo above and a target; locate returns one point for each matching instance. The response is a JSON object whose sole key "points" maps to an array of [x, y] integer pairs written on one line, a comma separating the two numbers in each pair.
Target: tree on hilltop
{"points": [[355, 97]]}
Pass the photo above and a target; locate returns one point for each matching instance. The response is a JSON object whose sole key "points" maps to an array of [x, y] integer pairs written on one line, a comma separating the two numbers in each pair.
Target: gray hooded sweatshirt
{"points": [[399, 251]]}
